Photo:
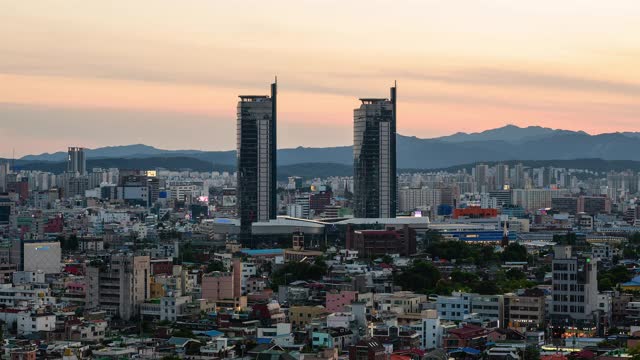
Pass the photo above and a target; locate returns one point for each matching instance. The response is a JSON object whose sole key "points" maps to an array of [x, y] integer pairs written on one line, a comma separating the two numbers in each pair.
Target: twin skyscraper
{"points": [[374, 159]]}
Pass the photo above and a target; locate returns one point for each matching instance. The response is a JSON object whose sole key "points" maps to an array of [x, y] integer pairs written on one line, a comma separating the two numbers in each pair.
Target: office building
{"points": [[133, 189], [7, 209], [382, 242], [256, 152], [502, 197], [526, 310], [76, 161], [37, 256], [119, 285], [374, 158], [488, 308], [575, 290]]}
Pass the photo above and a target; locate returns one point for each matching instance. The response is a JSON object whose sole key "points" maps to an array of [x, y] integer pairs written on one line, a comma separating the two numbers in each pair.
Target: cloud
{"points": [[527, 79]]}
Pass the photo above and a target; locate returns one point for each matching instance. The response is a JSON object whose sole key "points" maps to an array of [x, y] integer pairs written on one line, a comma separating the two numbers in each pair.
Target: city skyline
{"points": [[179, 67]]}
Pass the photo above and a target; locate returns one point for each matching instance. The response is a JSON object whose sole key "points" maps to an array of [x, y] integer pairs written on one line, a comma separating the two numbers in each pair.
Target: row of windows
{"points": [[568, 308], [568, 287], [569, 298]]}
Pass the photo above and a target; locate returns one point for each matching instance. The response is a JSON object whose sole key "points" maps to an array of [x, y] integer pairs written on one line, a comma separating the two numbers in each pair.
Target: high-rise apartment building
{"points": [[5, 169], [501, 176], [76, 162], [374, 158], [481, 173], [256, 140], [517, 182]]}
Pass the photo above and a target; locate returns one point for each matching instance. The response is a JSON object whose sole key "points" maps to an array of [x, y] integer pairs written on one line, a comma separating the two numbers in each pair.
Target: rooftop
{"points": [[253, 98], [373, 100]]}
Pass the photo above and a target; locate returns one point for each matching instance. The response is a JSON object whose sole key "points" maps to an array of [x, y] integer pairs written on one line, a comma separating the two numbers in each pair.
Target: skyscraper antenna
{"points": [[276, 76]]}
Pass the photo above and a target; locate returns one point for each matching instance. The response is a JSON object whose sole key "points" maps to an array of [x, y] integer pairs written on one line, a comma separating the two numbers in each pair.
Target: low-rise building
{"points": [[299, 316], [29, 323]]}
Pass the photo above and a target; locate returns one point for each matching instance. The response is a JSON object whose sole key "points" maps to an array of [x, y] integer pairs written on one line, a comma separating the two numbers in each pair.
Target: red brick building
{"points": [[382, 242], [471, 336], [475, 212]]}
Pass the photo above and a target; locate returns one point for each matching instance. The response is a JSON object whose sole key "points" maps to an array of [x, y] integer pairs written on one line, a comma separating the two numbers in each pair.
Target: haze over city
{"points": [[168, 74]]}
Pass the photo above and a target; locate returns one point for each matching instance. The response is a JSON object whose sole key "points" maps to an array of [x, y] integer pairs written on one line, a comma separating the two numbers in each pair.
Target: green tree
{"points": [[386, 259], [183, 333], [187, 253], [531, 352], [635, 238], [635, 352], [432, 236], [193, 348], [629, 253], [612, 277], [294, 271], [421, 277], [463, 278], [487, 287], [514, 252], [216, 265], [515, 274]]}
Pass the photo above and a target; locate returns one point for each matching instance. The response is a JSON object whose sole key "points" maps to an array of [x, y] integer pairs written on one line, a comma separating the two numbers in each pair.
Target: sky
{"points": [[167, 73]]}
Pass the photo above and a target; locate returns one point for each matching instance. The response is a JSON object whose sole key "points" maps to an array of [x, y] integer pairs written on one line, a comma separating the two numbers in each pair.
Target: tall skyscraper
{"points": [[256, 139], [374, 158], [5, 170], [481, 177], [76, 162], [501, 176], [518, 177]]}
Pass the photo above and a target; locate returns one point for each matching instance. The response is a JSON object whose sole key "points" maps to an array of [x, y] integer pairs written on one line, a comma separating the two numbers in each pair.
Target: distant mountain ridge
{"points": [[509, 133], [506, 143]]}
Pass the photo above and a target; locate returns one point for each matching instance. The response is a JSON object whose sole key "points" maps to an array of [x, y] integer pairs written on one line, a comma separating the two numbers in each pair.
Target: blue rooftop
{"points": [[634, 282], [258, 252], [180, 341], [209, 333]]}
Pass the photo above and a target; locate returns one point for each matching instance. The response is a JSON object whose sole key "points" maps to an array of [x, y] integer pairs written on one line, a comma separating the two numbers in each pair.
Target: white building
{"points": [[29, 323], [431, 330], [280, 334], [28, 277], [33, 294], [456, 307], [172, 308], [340, 320], [603, 251]]}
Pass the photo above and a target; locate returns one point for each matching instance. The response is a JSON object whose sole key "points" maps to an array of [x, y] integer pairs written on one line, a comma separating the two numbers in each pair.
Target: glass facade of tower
{"points": [[374, 158], [256, 152]]}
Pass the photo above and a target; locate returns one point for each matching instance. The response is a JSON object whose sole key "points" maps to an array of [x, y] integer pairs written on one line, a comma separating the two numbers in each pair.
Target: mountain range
{"points": [[502, 144]]}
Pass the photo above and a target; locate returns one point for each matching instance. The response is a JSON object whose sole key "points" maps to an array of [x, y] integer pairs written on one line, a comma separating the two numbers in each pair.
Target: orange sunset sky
{"points": [[167, 73]]}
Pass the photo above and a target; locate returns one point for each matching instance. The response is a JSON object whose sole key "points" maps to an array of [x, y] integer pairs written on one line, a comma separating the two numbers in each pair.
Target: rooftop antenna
{"points": [[13, 159]]}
